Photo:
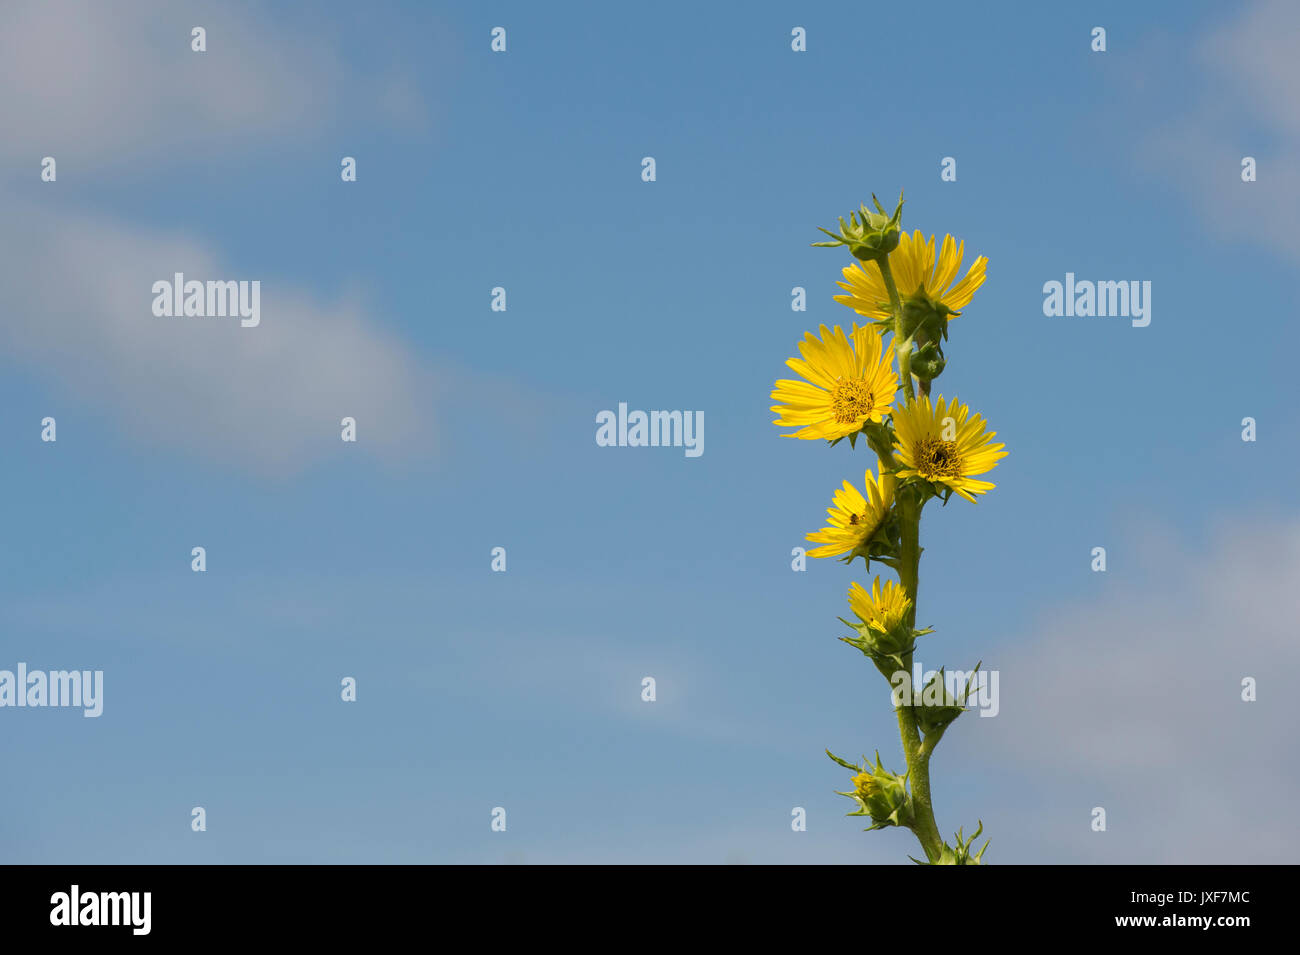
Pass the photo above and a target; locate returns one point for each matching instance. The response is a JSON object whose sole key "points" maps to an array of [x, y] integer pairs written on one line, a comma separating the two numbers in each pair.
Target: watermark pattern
{"points": [[1085, 299], [177, 298], [922, 687], [654, 429], [64, 688]]}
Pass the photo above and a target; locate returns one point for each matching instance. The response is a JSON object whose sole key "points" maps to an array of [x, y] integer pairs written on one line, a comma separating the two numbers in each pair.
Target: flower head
{"points": [[918, 277], [883, 609], [943, 443], [854, 519], [849, 380]]}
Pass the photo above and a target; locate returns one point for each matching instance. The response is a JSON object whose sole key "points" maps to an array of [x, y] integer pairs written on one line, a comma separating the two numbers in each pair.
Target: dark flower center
{"points": [[936, 458]]}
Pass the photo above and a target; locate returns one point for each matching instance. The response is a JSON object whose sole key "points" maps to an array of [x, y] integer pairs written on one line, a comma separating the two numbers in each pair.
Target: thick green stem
{"points": [[918, 758], [902, 344]]}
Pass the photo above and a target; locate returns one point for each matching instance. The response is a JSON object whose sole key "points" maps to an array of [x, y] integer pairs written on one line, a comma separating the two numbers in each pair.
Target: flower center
{"points": [[851, 399], [936, 458]]}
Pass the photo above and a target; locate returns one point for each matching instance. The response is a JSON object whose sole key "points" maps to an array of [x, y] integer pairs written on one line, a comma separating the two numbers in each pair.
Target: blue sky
{"points": [[476, 429]]}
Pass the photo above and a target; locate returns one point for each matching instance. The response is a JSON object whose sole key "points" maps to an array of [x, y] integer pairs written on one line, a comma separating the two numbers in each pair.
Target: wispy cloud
{"points": [[98, 85], [101, 83], [1242, 98], [1133, 702], [77, 293]]}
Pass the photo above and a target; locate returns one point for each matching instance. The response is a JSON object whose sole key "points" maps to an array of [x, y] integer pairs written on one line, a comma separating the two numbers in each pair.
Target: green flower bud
{"points": [[870, 236], [928, 361], [936, 708], [882, 795], [924, 319], [962, 854]]}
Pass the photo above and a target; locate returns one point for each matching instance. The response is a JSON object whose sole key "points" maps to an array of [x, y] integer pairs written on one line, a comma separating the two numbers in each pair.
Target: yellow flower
{"points": [[854, 518], [850, 381], [945, 444], [865, 785], [914, 269], [882, 609]]}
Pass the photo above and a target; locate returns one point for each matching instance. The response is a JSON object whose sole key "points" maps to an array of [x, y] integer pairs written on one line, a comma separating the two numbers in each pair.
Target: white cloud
{"points": [[97, 85], [1133, 702], [1243, 99], [1257, 54], [94, 83], [76, 293]]}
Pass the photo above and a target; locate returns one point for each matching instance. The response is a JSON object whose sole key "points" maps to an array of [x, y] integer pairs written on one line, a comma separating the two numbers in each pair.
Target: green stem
{"points": [[918, 756], [909, 563], [902, 344]]}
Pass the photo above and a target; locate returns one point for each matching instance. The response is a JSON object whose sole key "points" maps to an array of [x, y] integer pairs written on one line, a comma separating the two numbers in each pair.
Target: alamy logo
{"points": [[84, 688], [1123, 299], [75, 907], [657, 429], [194, 299], [924, 687]]}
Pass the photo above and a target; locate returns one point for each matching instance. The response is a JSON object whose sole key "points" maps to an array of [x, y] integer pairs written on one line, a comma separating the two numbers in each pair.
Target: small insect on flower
{"points": [[854, 517]]}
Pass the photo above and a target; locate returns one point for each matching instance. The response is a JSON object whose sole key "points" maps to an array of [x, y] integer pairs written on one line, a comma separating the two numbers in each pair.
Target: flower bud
{"points": [[962, 854], [925, 319], [884, 632], [883, 613], [882, 795], [870, 236], [928, 361], [936, 708]]}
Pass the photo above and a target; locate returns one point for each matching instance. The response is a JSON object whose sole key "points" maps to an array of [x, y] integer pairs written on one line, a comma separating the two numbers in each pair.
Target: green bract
{"points": [[880, 794], [960, 855], [936, 707], [870, 236]]}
